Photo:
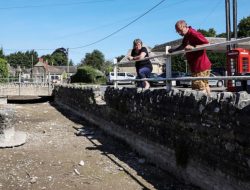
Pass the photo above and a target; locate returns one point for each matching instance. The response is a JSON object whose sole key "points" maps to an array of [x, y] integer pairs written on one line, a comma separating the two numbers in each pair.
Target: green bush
{"points": [[88, 74]]}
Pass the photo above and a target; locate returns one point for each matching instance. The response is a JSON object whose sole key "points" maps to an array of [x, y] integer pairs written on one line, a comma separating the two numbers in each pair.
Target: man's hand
{"points": [[189, 47]]}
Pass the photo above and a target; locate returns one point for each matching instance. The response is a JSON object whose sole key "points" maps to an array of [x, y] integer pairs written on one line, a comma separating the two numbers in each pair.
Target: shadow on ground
{"points": [[124, 157], [28, 99]]}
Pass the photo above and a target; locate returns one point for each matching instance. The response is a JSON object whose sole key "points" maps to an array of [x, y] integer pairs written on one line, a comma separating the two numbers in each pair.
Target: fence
{"points": [[167, 55]]}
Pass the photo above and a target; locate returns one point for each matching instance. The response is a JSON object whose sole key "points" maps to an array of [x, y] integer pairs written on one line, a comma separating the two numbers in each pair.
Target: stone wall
{"points": [[25, 89], [204, 140]]}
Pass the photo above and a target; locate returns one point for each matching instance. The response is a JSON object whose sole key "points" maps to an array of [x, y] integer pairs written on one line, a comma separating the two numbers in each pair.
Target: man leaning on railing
{"points": [[198, 61]]}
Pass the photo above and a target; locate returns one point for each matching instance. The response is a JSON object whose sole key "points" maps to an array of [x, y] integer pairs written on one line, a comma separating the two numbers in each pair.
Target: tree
{"points": [[244, 27], [71, 63], [48, 58], [1, 53], [88, 74], [3, 69], [94, 59], [178, 63], [31, 57], [222, 35], [119, 58], [60, 57], [208, 33], [107, 67], [22, 59], [218, 60]]}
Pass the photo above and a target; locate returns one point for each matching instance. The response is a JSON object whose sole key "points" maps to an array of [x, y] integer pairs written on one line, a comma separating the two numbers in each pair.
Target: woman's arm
{"points": [[141, 56]]}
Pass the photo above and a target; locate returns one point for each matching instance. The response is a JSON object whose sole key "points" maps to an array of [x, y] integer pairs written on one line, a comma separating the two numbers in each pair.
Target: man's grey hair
{"points": [[136, 41]]}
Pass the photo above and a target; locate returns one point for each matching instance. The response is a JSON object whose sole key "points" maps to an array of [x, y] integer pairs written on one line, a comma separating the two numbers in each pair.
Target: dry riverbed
{"points": [[54, 157]]}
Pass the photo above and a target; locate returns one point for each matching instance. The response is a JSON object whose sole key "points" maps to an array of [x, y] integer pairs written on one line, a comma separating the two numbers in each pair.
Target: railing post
{"points": [[115, 73], [19, 82], [168, 66], [49, 85]]}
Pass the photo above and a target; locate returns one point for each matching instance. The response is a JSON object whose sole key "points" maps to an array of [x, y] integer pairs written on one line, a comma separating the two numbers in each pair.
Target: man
{"points": [[198, 61]]}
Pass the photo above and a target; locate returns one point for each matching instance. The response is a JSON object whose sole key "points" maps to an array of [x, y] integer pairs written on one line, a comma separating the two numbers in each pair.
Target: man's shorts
{"points": [[200, 84]]}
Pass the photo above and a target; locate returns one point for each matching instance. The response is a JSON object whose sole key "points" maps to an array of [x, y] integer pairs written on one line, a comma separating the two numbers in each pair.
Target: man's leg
{"points": [[207, 74], [201, 85]]}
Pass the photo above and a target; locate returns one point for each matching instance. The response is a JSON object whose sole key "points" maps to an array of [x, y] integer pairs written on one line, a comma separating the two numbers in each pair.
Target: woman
{"points": [[143, 68]]}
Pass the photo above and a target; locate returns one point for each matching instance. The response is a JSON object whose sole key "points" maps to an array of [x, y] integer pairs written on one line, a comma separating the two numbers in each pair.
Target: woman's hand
{"points": [[130, 58]]}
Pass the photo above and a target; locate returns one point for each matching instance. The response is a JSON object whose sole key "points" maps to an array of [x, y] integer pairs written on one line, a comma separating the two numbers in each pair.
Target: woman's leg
{"points": [[145, 73]]}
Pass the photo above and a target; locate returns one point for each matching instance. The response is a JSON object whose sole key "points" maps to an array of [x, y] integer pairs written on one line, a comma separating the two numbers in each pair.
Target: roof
{"points": [[54, 69], [72, 69], [39, 64]]}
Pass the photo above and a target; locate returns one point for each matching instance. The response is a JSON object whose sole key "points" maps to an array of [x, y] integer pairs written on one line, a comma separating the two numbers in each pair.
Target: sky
{"points": [[109, 26]]}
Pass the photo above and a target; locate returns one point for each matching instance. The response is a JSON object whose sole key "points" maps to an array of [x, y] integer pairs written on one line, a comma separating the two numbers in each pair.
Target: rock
{"points": [[33, 180], [76, 171], [81, 163]]}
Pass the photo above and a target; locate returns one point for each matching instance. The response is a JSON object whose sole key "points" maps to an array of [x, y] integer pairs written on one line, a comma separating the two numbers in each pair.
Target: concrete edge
{"points": [[18, 139]]}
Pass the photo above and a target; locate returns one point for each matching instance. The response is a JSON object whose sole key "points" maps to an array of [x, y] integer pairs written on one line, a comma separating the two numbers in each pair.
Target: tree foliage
{"points": [[178, 63], [2, 54], [48, 58], [94, 59], [119, 58], [60, 57], [3, 68], [107, 67], [208, 33], [22, 59], [71, 63], [222, 35], [87, 74], [244, 27]]}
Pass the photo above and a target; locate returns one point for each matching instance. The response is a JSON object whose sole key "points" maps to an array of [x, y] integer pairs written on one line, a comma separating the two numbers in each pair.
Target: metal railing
{"points": [[167, 55]]}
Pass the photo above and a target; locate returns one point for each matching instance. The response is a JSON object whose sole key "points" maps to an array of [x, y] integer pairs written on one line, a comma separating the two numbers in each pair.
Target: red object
{"points": [[197, 60], [238, 63]]}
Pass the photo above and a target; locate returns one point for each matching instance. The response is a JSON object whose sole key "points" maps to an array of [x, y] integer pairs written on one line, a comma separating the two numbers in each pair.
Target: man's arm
{"points": [[171, 50]]}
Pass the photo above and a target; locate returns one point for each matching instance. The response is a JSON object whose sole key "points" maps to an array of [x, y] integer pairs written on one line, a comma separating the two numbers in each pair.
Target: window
{"points": [[130, 75], [245, 64], [121, 74]]}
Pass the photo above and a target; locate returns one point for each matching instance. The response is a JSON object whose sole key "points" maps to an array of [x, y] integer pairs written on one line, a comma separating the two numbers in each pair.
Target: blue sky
{"points": [[50, 24]]}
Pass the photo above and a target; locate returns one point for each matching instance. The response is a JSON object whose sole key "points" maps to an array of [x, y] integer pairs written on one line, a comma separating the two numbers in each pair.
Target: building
{"points": [[43, 72]]}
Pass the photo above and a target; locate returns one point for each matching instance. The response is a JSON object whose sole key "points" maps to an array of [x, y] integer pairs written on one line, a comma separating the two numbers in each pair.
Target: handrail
{"points": [[168, 55], [146, 58], [190, 78], [208, 46]]}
